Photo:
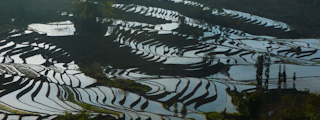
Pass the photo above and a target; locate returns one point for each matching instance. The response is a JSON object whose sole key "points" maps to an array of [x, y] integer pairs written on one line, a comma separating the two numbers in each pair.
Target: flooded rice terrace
{"points": [[143, 59]]}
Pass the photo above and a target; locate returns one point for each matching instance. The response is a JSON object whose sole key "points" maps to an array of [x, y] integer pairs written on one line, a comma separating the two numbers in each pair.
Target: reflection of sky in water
{"points": [[240, 71], [245, 72], [65, 28], [167, 26]]}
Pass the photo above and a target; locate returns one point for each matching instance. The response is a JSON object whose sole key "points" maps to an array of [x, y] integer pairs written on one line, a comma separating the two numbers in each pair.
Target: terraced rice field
{"points": [[191, 64]]}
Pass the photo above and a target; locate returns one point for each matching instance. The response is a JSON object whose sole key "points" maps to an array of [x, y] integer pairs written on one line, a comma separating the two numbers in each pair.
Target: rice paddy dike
{"points": [[155, 59]]}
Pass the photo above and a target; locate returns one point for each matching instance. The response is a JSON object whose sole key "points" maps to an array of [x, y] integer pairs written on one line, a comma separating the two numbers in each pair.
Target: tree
{"points": [[259, 66], [267, 72], [250, 105], [294, 80], [279, 75], [89, 15], [284, 74]]}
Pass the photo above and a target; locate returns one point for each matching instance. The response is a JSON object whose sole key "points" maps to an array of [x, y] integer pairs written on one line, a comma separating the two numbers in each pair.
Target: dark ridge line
{"points": [[176, 97], [135, 103], [26, 90], [121, 102], [206, 100], [191, 93], [144, 105], [200, 98]]}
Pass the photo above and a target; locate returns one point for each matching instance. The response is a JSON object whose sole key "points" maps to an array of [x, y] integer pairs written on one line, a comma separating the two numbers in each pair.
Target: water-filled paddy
{"points": [[166, 59]]}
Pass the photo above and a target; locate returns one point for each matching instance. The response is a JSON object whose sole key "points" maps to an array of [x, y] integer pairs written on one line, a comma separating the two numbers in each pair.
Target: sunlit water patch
{"points": [[64, 28], [191, 65]]}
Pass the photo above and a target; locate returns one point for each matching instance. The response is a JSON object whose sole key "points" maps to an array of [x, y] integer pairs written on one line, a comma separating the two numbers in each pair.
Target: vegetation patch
{"points": [[127, 85], [224, 116], [84, 115], [69, 116], [16, 111], [87, 106], [95, 109], [94, 70], [272, 105]]}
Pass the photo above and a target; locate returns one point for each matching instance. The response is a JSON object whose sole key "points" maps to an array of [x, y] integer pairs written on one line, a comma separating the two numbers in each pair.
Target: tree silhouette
{"points": [[259, 66], [267, 72], [284, 74], [279, 77]]}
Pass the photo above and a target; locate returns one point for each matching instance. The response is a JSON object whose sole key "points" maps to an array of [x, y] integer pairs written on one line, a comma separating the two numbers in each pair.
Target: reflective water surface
{"points": [[54, 55]]}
